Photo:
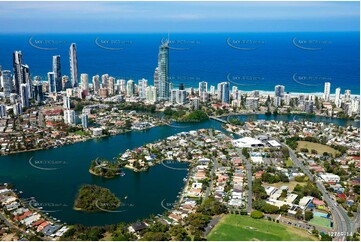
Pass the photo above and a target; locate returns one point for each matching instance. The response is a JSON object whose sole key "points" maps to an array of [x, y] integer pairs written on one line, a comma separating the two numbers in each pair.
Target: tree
{"points": [[245, 153], [268, 208], [284, 209], [325, 237], [212, 207], [178, 232], [256, 214], [155, 236], [197, 221], [258, 204], [308, 215], [299, 214]]}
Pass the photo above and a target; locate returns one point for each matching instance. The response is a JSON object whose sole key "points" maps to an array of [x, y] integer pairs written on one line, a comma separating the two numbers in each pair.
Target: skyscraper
{"points": [[223, 92], [96, 84], [347, 95], [26, 75], [130, 88], [24, 94], [111, 86], [279, 90], [279, 93], [212, 90], [18, 74], [151, 94], [202, 91], [84, 121], [84, 82], [338, 97], [66, 102], [38, 92], [122, 86], [57, 73], [163, 70], [3, 113], [326, 92], [73, 65], [142, 86], [7, 83], [156, 80], [65, 82], [51, 81], [105, 78], [174, 96], [69, 117]]}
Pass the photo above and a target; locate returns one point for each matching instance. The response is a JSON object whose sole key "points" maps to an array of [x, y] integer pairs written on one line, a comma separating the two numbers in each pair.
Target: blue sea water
{"points": [[252, 61]]}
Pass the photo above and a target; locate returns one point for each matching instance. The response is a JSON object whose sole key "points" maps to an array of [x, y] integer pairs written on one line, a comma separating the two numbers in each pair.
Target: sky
{"points": [[160, 17]]}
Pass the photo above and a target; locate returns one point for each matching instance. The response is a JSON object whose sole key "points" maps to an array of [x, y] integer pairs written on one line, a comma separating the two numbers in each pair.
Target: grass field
{"points": [[323, 222], [237, 227], [314, 146]]}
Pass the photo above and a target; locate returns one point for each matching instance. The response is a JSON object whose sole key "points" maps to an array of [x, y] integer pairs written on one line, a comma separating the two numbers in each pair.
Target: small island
{"points": [[92, 198], [183, 116], [104, 168]]}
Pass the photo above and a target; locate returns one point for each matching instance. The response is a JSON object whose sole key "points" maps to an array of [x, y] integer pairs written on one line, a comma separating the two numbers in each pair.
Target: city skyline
{"points": [[247, 128]]}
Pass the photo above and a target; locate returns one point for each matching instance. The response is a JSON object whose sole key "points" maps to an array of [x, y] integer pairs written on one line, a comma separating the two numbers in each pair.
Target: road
{"points": [[10, 225], [342, 222], [211, 224], [249, 181], [210, 187]]}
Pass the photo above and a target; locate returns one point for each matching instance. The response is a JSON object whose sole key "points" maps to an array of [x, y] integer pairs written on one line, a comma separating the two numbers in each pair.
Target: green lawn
{"points": [[289, 162], [323, 222], [79, 132], [320, 148], [237, 227]]}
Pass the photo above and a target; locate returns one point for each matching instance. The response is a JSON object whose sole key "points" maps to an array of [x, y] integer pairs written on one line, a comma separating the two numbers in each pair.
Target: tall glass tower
{"points": [[18, 73], [163, 69], [57, 71], [73, 65]]}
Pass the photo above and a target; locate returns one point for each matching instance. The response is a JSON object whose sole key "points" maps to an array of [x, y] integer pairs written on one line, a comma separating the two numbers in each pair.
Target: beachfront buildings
{"points": [[223, 92], [202, 91], [279, 93], [326, 92]]}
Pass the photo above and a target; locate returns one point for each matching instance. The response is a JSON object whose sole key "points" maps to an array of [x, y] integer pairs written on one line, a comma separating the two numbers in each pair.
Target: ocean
{"points": [[252, 61]]}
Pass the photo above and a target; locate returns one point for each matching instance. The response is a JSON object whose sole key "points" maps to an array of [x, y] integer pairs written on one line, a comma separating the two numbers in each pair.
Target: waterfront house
{"points": [[42, 226], [137, 227]]}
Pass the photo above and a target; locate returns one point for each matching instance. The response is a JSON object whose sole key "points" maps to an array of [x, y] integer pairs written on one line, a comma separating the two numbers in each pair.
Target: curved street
{"points": [[342, 223]]}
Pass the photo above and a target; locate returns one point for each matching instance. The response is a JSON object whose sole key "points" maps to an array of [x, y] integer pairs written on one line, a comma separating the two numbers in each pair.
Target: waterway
{"points": [[61, 171]]}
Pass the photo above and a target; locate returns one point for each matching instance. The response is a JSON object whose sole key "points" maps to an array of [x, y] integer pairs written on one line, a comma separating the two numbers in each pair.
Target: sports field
{"points": [[324, 222], [320, 148], [238, 227]]}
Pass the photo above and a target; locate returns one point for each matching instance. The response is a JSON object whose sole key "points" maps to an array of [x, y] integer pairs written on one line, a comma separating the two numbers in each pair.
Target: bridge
{"points": [[218, 119]]}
